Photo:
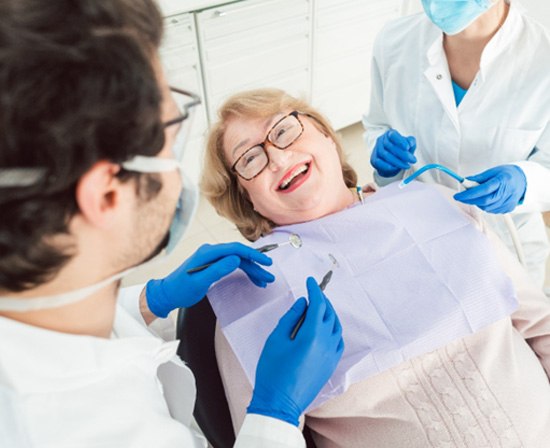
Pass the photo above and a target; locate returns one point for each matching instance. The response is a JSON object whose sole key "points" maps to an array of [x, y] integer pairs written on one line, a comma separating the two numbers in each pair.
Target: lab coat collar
{"points": [[49, 361], [437, 71], [503, 38], [507, 33], [438, 75], [435, 53]]}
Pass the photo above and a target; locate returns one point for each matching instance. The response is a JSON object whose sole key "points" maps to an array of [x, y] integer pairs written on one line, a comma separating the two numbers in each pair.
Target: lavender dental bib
{"points": [[412, 274]]}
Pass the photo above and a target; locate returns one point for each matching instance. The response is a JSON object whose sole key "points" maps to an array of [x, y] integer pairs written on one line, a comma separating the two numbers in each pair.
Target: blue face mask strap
{"points": [[432, 166]]}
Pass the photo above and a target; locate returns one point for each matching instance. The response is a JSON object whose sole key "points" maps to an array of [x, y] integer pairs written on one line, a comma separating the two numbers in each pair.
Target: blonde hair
{"points": [[220, 184]]}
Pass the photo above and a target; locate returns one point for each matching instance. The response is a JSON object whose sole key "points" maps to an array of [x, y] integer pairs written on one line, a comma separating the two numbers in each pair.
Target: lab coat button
{"points": [[439, 76]]}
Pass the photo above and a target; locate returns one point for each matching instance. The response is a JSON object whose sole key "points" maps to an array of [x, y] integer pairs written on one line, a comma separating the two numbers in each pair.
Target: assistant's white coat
{"points": [[502, 119]]}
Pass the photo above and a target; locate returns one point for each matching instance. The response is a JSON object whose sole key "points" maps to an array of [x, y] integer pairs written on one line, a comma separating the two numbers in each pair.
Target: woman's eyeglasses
{"points": [[281, 135]]}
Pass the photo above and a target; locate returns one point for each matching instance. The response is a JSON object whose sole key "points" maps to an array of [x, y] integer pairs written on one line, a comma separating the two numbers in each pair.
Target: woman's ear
{"points": [[98, 194]]}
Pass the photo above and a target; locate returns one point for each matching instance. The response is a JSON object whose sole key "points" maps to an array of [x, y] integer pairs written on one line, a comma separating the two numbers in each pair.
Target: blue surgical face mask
{"points": [[454, 16]]}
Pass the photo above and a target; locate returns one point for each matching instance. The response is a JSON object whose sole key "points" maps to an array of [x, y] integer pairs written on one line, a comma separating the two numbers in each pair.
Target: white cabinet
{"points": [[181, 60], [319, 50], [344, 31], [255, 43]]}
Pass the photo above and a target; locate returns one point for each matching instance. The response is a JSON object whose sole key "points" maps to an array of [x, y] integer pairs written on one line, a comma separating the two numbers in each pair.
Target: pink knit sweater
{"points": [[489, 389]]}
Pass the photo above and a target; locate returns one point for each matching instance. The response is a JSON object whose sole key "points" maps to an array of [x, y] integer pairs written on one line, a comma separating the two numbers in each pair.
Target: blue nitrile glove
{"points": [[393, 153], [291, 373], [500, 189], [181, 289]]}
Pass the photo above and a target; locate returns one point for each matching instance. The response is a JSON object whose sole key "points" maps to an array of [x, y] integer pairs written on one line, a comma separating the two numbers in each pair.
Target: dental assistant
{"points": [[92, 186], [466, 85]]}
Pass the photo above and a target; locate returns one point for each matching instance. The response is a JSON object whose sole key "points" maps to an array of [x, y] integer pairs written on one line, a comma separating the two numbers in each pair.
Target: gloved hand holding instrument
{"points": [[182, 289], [291, 372], [501, 189], [286, 382], [498, 190]]}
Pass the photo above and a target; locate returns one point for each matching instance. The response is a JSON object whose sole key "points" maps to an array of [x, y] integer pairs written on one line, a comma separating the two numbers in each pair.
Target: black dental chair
{"points": [[195, 330]]}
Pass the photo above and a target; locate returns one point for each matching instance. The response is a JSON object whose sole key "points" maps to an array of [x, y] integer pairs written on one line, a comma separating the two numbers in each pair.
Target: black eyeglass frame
{"points": [[294, 114], [195, 101]]}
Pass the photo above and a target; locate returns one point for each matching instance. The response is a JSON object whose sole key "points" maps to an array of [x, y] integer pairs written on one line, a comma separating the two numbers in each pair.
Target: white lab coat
{"points": [[504, 117], [59, 390]]}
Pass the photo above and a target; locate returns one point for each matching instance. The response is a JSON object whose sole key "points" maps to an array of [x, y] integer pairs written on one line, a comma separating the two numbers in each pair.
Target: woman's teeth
{"points": [[299, 170]]}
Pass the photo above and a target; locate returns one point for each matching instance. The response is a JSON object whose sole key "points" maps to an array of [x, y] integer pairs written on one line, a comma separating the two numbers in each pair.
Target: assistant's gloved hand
{"points": [[181, 290], [291, 373], [393, 153], [500, 189]]}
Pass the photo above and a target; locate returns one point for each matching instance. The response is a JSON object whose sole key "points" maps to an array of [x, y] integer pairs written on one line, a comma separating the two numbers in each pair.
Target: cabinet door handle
{"points": [[239, 8]]}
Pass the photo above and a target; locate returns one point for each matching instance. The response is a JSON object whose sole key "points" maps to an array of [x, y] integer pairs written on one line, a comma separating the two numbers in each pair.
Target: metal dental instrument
{"points": [[293, 239], [322, 285], [359, 190], [436, 166], [334, 260]]}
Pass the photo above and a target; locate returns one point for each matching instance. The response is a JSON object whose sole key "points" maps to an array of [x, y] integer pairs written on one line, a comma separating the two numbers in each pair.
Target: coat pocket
{"points": [[514, 144]]}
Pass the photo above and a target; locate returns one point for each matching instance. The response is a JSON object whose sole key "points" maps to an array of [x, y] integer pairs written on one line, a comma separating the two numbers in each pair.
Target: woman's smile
{"points": [[294, 178]]}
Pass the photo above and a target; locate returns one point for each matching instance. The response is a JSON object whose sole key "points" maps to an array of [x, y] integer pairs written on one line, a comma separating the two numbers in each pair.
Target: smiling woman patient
{"points": [[274, 164], [255, 181]]}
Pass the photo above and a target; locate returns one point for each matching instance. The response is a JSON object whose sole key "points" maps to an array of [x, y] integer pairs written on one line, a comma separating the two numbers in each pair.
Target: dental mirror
{"points": [[293, 239]]}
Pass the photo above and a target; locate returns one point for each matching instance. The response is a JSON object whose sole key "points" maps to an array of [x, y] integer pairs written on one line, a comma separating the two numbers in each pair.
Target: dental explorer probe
{"points": [[322, 286]]}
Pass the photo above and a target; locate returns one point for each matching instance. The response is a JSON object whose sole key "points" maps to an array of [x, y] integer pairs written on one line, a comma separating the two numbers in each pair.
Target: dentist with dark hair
{"points": [[92, 186]]}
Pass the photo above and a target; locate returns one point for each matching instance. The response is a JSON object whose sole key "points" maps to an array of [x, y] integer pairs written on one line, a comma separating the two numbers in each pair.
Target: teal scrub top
{"points": [[459, 93]]}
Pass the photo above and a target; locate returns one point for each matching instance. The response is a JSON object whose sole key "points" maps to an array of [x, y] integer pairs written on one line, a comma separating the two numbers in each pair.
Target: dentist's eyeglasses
{"points": [[281, 135], [186, 103]]}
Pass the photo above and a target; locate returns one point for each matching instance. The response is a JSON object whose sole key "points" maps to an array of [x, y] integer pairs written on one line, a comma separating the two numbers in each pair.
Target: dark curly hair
{"points": [[77, 85]]}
